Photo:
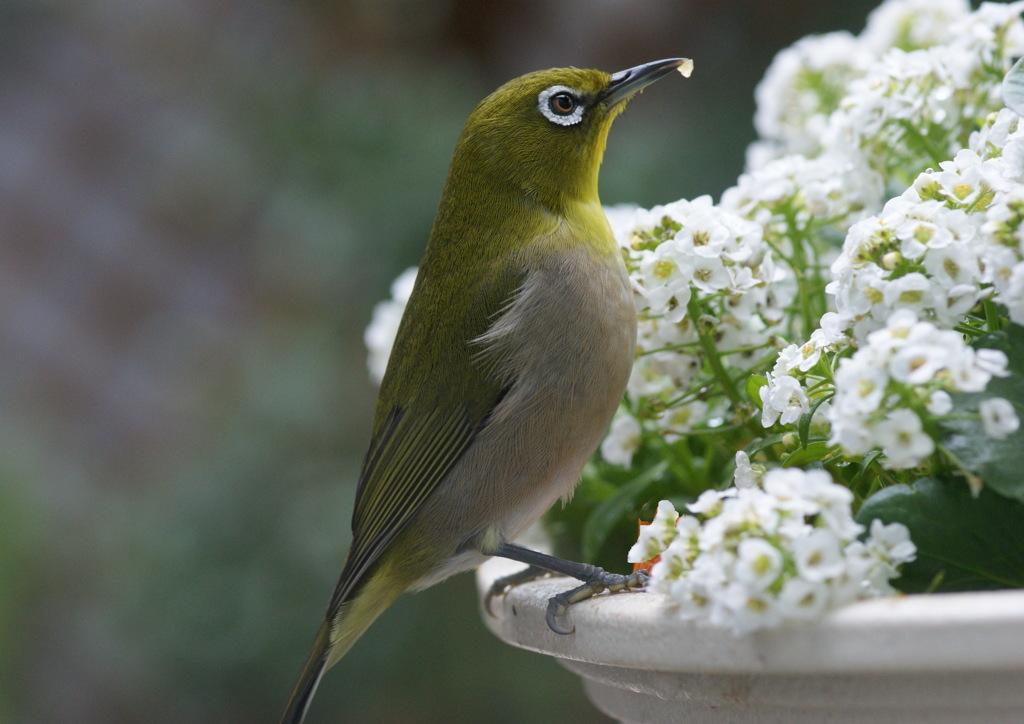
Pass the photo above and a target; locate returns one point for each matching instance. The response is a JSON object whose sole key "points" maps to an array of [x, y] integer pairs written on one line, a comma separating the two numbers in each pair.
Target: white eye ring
{"points": [[544, 100]]}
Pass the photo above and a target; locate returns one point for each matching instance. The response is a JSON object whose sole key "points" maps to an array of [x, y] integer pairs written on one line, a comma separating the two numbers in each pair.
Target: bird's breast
{"points": [[567, 343]]}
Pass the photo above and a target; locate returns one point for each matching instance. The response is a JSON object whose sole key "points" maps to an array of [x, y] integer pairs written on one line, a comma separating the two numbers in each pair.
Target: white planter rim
{"points": [[937, 632]]}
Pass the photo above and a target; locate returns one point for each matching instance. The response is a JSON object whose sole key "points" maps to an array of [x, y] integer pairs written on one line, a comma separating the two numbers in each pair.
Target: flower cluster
{"points": [[722, 287], [704, 276], [902, 95], [903, 280], [755, 557], [830, 90], [887, 391], [949, 241]]}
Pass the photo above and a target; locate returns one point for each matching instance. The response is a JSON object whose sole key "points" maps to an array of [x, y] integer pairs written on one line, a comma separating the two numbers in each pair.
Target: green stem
{"points": [[923, 143], [714, 361], [973, 480], [993, 322], [713, 358], [800, 266]]}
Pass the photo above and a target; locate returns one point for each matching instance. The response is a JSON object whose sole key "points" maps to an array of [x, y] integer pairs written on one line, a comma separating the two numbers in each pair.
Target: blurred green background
{"points": [[200, 202]]}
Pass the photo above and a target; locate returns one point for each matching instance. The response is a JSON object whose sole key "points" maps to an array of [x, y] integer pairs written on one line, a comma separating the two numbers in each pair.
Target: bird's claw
{"points": [[500, 585], [600, 581]]}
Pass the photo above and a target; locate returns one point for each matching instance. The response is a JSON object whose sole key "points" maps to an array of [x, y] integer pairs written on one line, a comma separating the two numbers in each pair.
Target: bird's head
{"points": [[544, 133]]}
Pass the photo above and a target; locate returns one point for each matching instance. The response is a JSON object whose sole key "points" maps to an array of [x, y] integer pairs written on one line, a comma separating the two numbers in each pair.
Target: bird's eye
{"points": [[561, 105]]}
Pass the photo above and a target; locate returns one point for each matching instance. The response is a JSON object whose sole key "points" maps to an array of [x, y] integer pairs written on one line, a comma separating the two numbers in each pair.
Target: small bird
{"points": [[511, 358]]}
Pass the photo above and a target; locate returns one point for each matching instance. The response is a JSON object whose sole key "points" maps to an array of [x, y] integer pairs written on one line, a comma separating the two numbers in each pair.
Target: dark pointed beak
{"points": [[627, 82]]}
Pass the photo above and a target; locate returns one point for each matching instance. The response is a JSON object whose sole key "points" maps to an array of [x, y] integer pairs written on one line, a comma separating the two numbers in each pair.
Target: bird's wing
{"points": [[404, 465], [417, 441]]}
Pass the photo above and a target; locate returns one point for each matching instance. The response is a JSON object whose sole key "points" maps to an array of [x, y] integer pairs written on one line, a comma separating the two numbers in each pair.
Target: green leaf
{"points": [[864, 480], [804, 427], [865, 464], [606, 516], [810, 453], [754, 385], [998, 462], [969, 543]]}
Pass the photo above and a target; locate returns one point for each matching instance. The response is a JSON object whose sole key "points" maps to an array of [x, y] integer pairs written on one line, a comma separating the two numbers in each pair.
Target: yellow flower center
{"points": [[664, 269]]}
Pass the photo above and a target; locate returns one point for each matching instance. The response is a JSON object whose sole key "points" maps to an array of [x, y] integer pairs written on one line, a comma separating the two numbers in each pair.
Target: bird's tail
{"points": [[336, 636], [305, 687]]}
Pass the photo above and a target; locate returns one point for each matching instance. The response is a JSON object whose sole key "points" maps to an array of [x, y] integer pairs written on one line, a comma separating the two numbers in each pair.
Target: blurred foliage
{"points": [[964, 542], [199, 204]]}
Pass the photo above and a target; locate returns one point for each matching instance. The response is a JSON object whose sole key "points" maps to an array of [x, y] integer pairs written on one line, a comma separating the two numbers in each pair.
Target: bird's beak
{"points": [[627, 82]]}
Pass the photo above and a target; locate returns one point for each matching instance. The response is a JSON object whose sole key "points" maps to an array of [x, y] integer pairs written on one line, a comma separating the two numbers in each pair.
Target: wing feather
{"points": [[423, 449], [417, 441]]}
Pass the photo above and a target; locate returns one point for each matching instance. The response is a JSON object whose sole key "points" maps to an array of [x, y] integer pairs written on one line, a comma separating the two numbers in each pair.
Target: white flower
{"points": [[709, 274], [832, 330], [853, 433], [818, 556], [758, 563], [891, 542], [803, 491], [679, 557], [676, 421], [939, 403], [657, 536], [904, 441], [1013, 296], [991, 361], [746, 475], [744, 609], [952, 265], [809, 354], [789, 359], [917, 363], [886, 548], [860, 579], [860, 386], [708, 503], [666, 274], [913, 23], [622, 441], [696, 593], [970, 370], [747, 509], [702, 232], [813, 493], [913, 291], [803, 600], [998, 417], [783, 399]]}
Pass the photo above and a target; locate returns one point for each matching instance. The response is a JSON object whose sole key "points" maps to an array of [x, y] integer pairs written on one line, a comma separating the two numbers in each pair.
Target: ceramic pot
{"points": [[939, 658]]}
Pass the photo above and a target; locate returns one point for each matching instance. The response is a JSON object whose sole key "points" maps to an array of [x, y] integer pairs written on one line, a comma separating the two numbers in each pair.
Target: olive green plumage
{"points": [[511, 358]]}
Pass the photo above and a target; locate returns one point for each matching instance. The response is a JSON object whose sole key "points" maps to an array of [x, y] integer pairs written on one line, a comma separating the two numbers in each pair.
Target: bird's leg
{"points": [[595, 580]]}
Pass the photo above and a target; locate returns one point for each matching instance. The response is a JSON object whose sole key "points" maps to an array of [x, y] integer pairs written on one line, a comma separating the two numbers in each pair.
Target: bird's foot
{"points": [[500, 585], [598, 582]]}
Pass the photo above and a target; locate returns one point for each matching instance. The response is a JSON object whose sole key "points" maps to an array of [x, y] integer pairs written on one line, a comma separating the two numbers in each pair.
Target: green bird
{"points": [[511, 358]]}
